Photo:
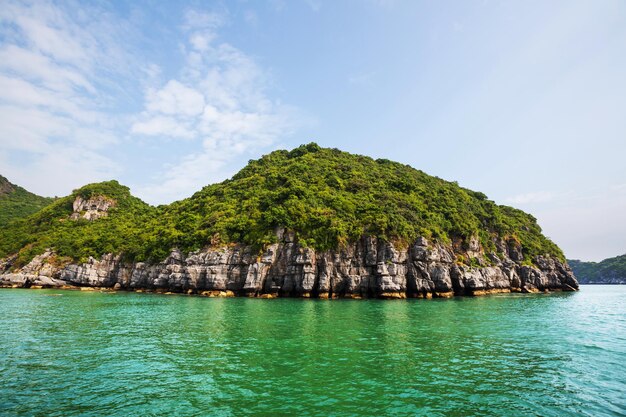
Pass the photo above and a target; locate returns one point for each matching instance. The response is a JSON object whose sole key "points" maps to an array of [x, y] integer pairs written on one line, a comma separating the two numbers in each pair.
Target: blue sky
{"points": [[522, 100]]}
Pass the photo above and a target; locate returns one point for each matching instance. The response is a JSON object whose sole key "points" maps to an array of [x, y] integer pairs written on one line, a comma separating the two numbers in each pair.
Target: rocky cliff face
{"points": [[92, 208], [370, 267]]}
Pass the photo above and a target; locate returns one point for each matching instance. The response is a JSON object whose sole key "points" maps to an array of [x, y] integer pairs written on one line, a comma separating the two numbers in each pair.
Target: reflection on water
{"points": [[136, 354]]}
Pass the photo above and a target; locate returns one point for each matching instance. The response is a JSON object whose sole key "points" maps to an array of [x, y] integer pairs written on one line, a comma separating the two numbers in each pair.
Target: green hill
{"points": [[16, 202], [608, 271], [326, 196], [52, 227]]}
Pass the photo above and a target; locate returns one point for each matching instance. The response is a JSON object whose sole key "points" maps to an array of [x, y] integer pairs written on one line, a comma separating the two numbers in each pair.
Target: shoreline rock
{"points": [[369, 268]]}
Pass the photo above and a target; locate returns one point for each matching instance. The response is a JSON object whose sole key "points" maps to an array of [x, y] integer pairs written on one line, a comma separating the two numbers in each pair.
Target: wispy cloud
{"points": [[219, 100], [51, 106], [68, 74]]}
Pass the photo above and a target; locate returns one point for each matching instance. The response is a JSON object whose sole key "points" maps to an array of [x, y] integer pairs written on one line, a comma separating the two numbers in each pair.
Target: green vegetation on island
{"points": [[608, 271], [16, 202], [326, 196]]}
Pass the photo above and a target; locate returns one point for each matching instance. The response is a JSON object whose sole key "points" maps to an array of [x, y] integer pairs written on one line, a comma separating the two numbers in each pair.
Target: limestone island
{"points": [[310, 222]]}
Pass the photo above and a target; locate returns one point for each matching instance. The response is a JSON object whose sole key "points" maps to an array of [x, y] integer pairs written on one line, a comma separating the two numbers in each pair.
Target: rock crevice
{"points": [[371, 267], [92, 208]]}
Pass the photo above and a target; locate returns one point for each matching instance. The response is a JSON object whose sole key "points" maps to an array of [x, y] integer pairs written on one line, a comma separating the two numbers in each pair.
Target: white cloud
{"points": [[85, 39], [163, 126], [69, 81], [53, 63], [20, 92], [37, 67], [201, 41], [202, 27], [220, 100], [56, 42], [175, 98], [67, 166]]}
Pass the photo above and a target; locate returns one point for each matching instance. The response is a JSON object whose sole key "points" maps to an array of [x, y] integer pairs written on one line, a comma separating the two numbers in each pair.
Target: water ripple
{"points": [[140, 354]]}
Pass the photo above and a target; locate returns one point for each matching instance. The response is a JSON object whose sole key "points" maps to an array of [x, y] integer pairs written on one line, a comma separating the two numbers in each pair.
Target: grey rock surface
{"points": [[370, 267], [92, 208]]}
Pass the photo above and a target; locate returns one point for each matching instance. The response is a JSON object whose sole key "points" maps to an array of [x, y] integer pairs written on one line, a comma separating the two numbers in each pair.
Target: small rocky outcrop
{"points": [[5, 186], [371, 267], [92, 208]]}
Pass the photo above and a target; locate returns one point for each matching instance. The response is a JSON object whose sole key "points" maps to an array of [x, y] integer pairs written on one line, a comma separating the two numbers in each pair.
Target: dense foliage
{"points": [[610, 270], [51, 227], [17, 203], [328, 197]]}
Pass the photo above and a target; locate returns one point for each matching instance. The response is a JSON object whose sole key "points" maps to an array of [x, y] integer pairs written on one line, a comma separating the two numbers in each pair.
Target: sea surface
{"points": [[66, 353]]}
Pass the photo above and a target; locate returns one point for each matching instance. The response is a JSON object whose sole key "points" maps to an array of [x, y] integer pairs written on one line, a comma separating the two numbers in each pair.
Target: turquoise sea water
{"points": [[81, 353]]}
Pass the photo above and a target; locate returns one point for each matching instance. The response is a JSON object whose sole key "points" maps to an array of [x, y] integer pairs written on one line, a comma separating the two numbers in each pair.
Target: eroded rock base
{"points": [[369, 268]]}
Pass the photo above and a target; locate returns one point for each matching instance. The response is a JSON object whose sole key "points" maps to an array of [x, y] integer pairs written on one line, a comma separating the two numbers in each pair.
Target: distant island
{"points": [[608, 271], [16, 202], [310, 222]]}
